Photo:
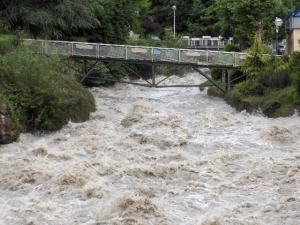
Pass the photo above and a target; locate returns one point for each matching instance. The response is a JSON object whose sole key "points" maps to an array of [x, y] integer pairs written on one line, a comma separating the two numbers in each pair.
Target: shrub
{"points": [[255, 60], [7, 43], [290, 95], [274, 76], [232, 48], [216, 73], [144, 42], [246, 89], [39, 94]]}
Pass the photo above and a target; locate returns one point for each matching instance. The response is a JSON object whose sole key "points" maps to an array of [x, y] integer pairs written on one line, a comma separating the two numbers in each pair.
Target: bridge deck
{"points": [[142, 54]]}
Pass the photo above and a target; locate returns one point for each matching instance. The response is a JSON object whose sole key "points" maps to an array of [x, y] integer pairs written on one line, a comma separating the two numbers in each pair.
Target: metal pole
{"points": [[174, 20], [153, 77], [174, 24], [277, 40], [228, 81]]}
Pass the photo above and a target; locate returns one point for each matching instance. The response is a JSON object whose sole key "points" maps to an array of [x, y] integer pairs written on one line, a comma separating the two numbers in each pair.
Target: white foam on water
{"points": [[155, 156]]}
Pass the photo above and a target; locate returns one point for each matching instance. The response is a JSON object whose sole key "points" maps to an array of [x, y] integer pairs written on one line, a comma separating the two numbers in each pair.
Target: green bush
{"points": [[246, 89], [216, 73], [39, 94], [274, 77], [144, 42], [290, 95], [7, 43], [232, 48], [255, 60]]}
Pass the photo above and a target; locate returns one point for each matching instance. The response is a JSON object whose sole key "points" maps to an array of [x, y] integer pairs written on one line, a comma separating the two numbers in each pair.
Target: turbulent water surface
{"points": [[155, 157]]}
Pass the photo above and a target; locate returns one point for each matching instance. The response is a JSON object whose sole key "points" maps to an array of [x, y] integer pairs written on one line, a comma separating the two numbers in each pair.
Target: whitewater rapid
{"points": [[155, 157]]}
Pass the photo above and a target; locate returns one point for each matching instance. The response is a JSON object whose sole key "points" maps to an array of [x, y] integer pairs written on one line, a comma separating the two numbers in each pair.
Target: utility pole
{"points": [[174, 22], [278, 23]]}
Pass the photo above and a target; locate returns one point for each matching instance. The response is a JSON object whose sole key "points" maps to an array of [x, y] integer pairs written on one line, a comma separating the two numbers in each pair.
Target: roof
{"points": [[295, 13]]}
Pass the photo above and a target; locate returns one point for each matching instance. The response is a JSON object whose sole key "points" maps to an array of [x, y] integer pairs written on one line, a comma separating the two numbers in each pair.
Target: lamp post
{"points": [[174, 22], [278, 23]]}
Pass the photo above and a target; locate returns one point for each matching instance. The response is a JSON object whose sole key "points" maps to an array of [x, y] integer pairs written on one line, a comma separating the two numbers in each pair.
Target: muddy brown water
{"points": [[155, 157]]}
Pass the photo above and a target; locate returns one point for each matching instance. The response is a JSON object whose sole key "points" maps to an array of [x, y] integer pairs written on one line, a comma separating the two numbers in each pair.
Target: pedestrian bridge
{"points": [[139, 54], [144, 55]]}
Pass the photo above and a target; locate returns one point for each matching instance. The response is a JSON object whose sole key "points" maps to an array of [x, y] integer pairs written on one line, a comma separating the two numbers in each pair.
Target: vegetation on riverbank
{"points": [[269, 85], [37, 92]]}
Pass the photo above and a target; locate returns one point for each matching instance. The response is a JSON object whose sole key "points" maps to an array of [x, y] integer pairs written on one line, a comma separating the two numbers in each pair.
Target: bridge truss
{"points": [[196, 59]]}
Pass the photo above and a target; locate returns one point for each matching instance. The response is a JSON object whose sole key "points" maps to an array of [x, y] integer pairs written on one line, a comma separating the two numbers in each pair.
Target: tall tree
{"points": [[98, 20], [117, 18], [191, 16], [242, 19], [203, 19], [49, 19]]}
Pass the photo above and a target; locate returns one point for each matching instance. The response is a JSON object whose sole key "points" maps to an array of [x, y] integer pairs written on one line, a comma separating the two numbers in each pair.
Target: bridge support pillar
{"points": [[87, 71], [84, 66], [224, 76], [153, 77], [215, 83], [228, 86]]}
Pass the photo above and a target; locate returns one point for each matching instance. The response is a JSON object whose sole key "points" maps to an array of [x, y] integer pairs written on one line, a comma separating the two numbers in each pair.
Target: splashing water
{"points": [[149, 156]]}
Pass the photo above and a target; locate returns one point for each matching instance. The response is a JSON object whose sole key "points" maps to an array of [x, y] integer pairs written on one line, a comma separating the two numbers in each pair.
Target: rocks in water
{"points": [[8, 130], [270, 108]]}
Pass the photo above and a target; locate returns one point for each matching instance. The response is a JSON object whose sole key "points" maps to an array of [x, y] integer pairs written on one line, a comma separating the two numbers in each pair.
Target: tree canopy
{"points": [[111, 20]]}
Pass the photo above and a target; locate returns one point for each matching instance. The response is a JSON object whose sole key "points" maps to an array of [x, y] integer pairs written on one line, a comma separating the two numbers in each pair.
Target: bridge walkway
{"points": [[145, 55], [139, 54]]}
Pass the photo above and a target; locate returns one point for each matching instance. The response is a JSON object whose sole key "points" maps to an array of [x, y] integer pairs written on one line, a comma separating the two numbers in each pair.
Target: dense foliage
{"points": [[111, 20], [40, 94], [92, 20], [271, 85]]}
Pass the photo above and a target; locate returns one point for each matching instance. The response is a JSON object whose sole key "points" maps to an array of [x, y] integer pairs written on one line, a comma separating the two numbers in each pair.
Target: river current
{"points": [[156, 157]]}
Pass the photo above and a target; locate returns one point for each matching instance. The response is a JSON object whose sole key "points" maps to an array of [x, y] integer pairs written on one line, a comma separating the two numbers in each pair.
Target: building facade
{"points": [[293, 30]]}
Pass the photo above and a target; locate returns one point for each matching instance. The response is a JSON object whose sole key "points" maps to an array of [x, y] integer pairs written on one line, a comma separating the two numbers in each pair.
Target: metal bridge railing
{"points": [[137, 53]]}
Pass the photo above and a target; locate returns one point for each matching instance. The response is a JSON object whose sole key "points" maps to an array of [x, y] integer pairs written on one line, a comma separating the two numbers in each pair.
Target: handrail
{"points": [[181, 56]]}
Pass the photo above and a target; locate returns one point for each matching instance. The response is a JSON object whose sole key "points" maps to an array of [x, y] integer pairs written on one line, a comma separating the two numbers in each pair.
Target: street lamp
{"points": [[174, 10], [278, 23]]}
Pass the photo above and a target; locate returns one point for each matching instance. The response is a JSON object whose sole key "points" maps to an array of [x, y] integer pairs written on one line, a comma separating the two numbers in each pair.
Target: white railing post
{"points": [[235, 59], [99, 49], [126, 52], [46, 47], [72, 49], [152, 54], [179, 56], [207, 57]]}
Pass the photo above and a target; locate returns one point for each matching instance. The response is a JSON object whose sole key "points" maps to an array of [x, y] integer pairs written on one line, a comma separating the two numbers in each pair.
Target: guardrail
{"points": [[138, 53]]}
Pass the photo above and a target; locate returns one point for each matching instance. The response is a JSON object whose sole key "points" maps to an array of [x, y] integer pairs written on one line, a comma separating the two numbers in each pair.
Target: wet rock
{"points": [[129, 121], [250, 107], [8, 130], [214, 92], [270, 108]]}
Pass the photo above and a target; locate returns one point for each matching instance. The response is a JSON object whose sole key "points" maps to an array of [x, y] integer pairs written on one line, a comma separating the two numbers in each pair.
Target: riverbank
{"points": [[8, 131], [38, 94], [274, 105], [263, 84], [155, 156]]}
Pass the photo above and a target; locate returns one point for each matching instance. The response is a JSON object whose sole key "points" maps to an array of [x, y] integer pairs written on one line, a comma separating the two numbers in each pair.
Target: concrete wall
{"points": [[293, 23], [295, 40]]}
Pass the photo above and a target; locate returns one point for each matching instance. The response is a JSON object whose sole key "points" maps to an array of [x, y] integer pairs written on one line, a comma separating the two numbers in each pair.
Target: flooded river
{"points": [[155, 157]]}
